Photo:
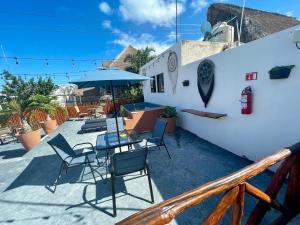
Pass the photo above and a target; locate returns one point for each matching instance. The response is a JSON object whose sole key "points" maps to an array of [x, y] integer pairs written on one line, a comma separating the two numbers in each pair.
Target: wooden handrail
{"points": [[166, 211]]}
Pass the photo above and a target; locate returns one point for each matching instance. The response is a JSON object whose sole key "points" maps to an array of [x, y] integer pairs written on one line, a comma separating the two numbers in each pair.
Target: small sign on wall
{"points": [[251, 76]]}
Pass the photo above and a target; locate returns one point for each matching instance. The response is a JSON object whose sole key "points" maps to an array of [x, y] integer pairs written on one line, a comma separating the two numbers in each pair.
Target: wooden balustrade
{"points": [[38, 116], [84, 108], [234, 188], [109, 106]]}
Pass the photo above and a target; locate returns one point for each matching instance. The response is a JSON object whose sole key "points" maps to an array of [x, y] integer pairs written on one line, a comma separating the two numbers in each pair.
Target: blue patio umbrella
{"points": [[112, 77]]}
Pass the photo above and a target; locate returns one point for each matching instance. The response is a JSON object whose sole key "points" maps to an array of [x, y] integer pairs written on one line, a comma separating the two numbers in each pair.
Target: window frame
{"points": [[160, 83], [153, 88]]}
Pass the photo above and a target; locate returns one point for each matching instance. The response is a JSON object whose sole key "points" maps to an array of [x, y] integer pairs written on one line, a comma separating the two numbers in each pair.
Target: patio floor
{"points": [[24, 199]]}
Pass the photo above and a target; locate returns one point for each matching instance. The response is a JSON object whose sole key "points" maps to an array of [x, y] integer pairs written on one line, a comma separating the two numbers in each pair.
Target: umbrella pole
{"points": [[115, 109]]}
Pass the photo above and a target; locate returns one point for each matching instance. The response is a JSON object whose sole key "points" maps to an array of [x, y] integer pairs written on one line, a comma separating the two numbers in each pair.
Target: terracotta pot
{"points": [[171, 126], [29, 140], [49, 126]]}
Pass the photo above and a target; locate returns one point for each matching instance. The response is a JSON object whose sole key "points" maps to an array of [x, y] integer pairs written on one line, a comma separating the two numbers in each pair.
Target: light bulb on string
{"points": [[17, 62], [47, 63], [95, 63], [67, 76], [73, 62]]}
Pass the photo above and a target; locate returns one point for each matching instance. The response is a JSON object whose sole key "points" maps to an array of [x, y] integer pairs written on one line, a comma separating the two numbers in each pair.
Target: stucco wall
{"points": [[195, 50], [275, 120]]}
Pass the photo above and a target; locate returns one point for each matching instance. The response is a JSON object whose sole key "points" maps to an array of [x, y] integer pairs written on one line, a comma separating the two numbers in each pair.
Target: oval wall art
{"points": [[205, 81]]}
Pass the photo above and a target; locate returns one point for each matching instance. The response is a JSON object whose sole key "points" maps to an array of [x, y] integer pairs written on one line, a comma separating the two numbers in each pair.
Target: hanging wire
{"points": [[54, 59], [56, 74]]}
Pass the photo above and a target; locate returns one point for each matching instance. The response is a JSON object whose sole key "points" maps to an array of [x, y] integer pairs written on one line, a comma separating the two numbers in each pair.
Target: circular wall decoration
{"points": [[205, 75], [172, 62]]}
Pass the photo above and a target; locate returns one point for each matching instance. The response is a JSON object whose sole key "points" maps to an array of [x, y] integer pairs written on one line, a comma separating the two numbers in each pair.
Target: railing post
{"points": [[217, 214], [238, 206]]}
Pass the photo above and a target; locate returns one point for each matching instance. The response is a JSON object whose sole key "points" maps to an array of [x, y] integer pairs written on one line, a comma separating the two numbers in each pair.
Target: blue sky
{"points": [[95, 29]]}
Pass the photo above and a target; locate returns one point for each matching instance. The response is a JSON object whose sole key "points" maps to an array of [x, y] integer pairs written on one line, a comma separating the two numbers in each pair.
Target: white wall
{"points": [[275, 121]]}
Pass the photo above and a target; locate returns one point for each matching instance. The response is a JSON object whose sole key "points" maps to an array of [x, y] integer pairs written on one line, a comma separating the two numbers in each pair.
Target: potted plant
{"points": [[46, 104], [170, 115], [27, 135]]}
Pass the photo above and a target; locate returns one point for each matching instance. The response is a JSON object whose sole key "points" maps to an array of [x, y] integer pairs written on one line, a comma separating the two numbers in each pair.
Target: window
{"points": [[153, 84], [160, 82]]}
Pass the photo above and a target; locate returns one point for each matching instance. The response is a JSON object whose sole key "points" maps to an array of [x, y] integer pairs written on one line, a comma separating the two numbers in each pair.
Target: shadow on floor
{"points": [[104, 194], [15, 153], [42, 171], [187, 151]]}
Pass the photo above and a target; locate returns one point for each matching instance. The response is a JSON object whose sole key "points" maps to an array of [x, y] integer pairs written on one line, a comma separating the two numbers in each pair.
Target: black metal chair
{"points": [[128, 162], [157, 136], [71, 158]]}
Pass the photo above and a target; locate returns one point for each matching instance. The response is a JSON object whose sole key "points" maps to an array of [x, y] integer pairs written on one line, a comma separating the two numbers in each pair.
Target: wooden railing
{"points": [[84, 108], [38, 117], [234, 188], [109, 107]]}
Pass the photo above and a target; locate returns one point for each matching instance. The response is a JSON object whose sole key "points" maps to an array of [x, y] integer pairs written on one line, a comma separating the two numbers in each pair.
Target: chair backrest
{"points": [[129, 162], [111, 124], [61, 147], [77, 109], [159, 129]]}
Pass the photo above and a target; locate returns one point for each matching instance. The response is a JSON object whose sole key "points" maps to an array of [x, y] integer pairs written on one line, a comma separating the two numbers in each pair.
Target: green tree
{"points": [[14, 108], [17, 88], [46, 104], [138, 59]]}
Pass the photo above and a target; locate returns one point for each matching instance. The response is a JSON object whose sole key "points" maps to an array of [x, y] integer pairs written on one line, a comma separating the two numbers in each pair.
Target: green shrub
{"points": [[169, 112]]}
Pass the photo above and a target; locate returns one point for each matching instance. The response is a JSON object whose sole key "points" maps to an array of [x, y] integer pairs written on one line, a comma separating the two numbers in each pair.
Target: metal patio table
{"points": [[111, 141]]}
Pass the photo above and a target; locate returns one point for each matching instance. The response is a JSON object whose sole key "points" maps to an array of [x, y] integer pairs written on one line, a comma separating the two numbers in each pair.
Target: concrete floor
{"points": [[24, 198]]}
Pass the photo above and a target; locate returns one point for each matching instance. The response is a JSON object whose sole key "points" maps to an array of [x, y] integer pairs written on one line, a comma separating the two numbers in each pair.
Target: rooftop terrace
{"points": [[24, 198]]}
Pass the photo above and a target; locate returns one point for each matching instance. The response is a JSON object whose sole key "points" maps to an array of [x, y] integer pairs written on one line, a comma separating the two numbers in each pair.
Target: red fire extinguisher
{"points": [[246, 100]]}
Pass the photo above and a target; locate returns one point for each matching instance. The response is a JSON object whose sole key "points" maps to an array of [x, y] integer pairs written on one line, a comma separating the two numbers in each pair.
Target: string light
{"points": [[56, 59], [17, 62], [56, 75]]}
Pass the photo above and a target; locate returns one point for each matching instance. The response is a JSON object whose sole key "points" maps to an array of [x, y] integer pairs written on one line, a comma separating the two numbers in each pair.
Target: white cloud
{"points": [[105, 8], [290, 13], [156, 12], [171, 37], [138, 41], [106, 24], [141, 41], [198, 5]]}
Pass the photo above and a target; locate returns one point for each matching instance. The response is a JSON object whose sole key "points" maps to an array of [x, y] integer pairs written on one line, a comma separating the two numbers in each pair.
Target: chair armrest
{"points": [[154, 139], [84, 143]]}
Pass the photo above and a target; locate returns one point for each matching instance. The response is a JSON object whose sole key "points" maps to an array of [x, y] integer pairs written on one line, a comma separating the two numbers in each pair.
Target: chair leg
{"points": [[88, 161], [167, 150], [113, 194], [97, 160], [106, 164], [150, 184], [83, 172], [59, 176]]}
